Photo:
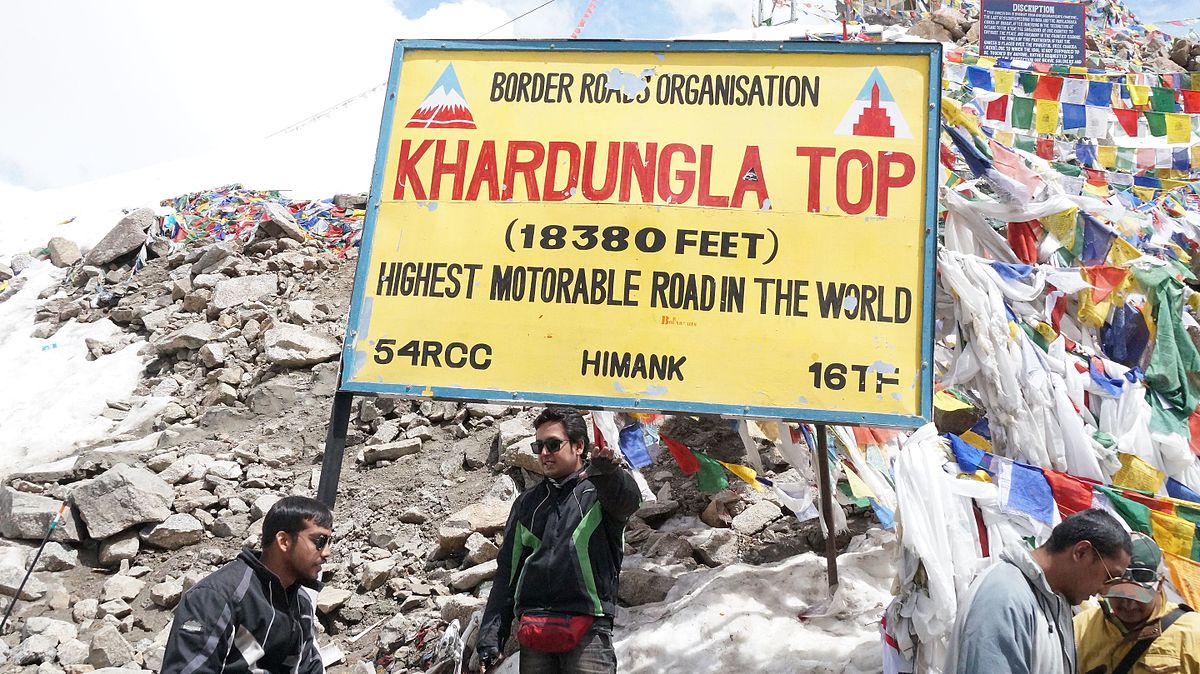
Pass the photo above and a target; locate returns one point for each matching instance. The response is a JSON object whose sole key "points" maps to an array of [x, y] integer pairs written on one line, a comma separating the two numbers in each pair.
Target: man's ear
{"points": [[284, 540]]}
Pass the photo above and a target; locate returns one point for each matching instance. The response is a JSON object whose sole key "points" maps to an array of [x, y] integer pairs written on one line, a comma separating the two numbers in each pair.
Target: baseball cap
{"points": [[1140, 582]]}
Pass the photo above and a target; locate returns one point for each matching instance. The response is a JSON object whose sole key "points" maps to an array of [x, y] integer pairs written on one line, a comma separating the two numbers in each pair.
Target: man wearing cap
{"points": [[1135, 630]]}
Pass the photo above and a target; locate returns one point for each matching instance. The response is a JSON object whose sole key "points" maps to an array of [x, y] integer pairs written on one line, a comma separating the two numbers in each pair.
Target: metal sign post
{"points": [[827, 507]]}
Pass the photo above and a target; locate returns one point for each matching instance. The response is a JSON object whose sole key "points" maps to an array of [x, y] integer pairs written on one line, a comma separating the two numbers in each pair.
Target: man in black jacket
{"points": [[559, 564], [256, 613]]}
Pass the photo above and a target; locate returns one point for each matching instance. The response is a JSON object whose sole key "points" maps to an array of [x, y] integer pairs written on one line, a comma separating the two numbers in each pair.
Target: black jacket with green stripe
{"points": [[562, 549]]}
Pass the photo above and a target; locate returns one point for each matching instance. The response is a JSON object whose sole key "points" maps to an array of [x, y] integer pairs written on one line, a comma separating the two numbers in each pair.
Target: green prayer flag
{"points": [[1022, 112], [1067, 169], [1029, 82], [1174, 355], [1157, 122], [1025, 143], [1162, 99], [1136, 515], [711, 477], [1126, 158]]}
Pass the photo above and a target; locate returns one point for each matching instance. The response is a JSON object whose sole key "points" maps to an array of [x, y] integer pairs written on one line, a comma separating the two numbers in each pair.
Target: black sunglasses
{"points": [[321, 541], [551, 444], [1138, 575]]}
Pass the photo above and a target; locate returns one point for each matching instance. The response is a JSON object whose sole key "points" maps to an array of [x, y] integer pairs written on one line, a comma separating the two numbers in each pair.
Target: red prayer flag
{"points": [[1194, 427], [1070, 493], [1045, 148], [1149, 501], [998, 109], [1105, 278], [1128, 120], [1048, 88], [1023, 240], [688, 463], [1191, 101]]}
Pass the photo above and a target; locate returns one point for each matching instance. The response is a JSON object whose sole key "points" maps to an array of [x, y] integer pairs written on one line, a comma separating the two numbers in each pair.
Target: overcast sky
{"points": [[96, 88], [92, 88]]}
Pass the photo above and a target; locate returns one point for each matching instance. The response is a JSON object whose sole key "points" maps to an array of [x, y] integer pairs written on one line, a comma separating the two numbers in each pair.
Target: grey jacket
{"points": [[1011, 621]]}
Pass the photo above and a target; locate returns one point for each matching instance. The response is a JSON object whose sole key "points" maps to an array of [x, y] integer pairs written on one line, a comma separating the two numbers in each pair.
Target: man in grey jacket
{"points": [[1017, 615]]}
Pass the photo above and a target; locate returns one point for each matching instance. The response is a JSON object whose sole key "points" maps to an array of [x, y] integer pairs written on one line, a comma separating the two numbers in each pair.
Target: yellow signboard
{"points": [[741, 228]]}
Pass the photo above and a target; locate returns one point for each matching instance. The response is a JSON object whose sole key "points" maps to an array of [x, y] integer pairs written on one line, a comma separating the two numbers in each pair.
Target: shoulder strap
{"points": [[1139, 648]]}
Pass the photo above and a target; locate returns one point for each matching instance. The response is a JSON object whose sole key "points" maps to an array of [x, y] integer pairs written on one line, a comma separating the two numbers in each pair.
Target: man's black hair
{"points": [[572, 421], [1097, 527], [292, 514]]}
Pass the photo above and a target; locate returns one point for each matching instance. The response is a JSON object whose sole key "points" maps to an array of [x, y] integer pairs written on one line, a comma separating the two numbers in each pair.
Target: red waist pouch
{"points": [[552, 632]]}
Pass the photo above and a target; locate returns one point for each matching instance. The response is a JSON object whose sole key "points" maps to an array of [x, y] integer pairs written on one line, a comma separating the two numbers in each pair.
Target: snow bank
{"points": [[745, 618], [53, 396]]}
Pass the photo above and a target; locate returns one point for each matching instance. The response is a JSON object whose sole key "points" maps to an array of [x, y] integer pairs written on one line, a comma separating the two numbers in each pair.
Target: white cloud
{"points": [[711, 16], [94, 88]]}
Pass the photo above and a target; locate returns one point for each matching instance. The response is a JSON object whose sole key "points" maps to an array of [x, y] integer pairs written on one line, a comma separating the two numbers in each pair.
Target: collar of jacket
{"points": [[1017, 554], [569, 481], [253, 559]]}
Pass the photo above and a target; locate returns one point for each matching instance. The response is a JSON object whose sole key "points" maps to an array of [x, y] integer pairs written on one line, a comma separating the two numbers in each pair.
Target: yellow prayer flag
{"points": [[1093, 313], [769, 429], [857, 487], [986, 61], [1046, 113], [978, 441], [1137, 474], [1006, 138], [952, 111], [1139, 94], [1002, 80], [1107, 154], [1144, 193], [1173, 534], [1121, 252], [1078, 70], [1185, 576], [1195, 155], [746, 474], [1062, 225], [1047, 331], [1096, 190], [1179, 127], [947, 402]]}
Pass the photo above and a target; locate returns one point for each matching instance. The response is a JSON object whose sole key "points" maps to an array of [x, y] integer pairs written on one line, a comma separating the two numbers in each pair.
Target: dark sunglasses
{"points": [[321, 541], [1139, 575], [550, 444]]}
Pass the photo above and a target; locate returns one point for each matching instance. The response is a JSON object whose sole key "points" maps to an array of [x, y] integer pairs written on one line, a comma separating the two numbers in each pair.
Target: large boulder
{"points": [[282, 224], [392, 450], [467, 579], [10, 581], [642, 586], [174, 532], [126, 237], [189, 337], [124, 588], [109, 649], [122, 497], [715, 547], [756, 518], [28, 516], [119, 548], [238, 291], [293, 346], [63, 252]]}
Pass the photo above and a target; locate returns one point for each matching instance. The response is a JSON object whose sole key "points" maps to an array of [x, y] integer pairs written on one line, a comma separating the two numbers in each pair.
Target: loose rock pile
{"points": [[240, 341]]}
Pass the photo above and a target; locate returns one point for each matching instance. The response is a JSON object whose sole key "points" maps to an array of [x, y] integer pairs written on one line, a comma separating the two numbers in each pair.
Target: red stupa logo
{"points": [[444, 106], [874, 112]]}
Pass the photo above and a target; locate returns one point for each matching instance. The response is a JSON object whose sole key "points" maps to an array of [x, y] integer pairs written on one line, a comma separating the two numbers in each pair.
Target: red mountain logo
{"points": [[874, 113], [444, 106]]}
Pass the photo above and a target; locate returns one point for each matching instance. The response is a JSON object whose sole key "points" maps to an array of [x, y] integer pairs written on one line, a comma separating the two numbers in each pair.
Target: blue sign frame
{"points": [[931, 50]]}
